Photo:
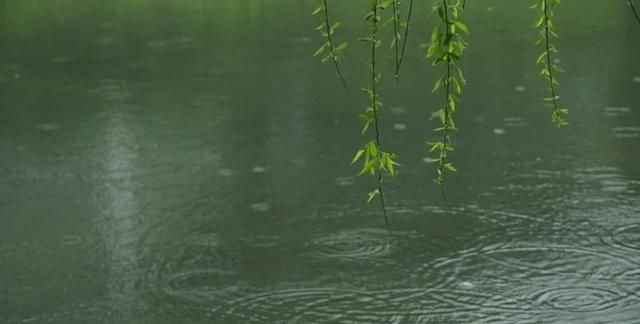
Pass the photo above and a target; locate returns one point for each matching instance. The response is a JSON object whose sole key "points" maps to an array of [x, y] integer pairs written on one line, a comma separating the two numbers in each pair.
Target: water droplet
{"points": [[259, 169], [515, 122], [616, 111], [557, 60], [520, 88], [261, 207], [636, 79], [466, 285], [626, 132], [399, 126], [499, 131], [345, 181]]}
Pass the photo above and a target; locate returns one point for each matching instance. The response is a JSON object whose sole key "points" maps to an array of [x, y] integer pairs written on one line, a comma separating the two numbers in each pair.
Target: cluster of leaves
{"points": [[446, 48], [545, 23], [376, 161], [329, 50]]}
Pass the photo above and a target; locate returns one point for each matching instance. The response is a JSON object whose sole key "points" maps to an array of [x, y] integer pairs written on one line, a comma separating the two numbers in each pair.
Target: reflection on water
{"points": [[162, 166], [121, 211]]}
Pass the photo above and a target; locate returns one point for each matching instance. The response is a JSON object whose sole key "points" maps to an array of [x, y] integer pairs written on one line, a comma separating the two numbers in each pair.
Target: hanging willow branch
{"points": [[396, 36], [633, 9], [332, 51], [377, 162], [545, 23], [406, 35], [446, 48]]}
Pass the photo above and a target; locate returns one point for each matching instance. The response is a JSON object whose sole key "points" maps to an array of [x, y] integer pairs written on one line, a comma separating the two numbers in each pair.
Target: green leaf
{"points": [[317, 11], [357, 156], [462, 26], [372, 195], [450, 167], [442, 115], [320, 50]]}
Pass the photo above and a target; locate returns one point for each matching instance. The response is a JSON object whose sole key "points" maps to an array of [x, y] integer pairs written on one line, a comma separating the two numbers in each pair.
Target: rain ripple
{"points": [[307, 305], [360, 244], [626, 237], [578, 299]]}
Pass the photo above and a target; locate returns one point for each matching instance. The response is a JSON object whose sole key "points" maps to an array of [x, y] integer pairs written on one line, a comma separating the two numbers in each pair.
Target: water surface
{"points": [[187, 162]]}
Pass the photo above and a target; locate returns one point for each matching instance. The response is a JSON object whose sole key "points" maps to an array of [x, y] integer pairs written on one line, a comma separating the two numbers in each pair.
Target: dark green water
{"points": [[186, 161]]}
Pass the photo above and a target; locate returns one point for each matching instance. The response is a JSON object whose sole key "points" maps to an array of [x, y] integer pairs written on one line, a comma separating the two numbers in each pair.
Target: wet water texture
{"points": [[188, 162]]}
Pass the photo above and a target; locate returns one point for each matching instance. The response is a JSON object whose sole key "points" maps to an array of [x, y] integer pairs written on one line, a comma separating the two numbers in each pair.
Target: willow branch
{"points": [[334, 55], [395, 36], [633, 9], [374, 44], [406, 35]]}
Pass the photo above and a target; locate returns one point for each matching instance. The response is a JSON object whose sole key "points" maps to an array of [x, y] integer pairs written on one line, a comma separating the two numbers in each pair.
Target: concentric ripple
{"points": [[307, 305], [626, 238], [361, 244], [201, 285], [495, 265], [578, 299], [626, 132]]}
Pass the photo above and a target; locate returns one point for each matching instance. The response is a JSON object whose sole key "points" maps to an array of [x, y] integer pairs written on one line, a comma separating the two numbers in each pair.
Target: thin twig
{"points": [[633, 9], [406, 34], [395, 36], [445, 134], [331, 47], [546, 32], [374, 43]]}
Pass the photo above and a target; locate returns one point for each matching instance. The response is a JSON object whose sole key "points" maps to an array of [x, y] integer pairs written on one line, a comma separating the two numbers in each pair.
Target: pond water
{"points": [[188, 162]]}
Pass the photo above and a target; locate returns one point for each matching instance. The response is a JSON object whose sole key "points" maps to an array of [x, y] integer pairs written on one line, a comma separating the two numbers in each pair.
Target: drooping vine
{"points": [[446, 48], [633, 9], [329, 49], [377, 161], [545, 23], [407, 25], [396, 35]]}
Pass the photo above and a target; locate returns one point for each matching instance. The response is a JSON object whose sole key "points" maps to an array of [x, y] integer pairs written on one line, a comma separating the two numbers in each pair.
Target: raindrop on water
{"points": [[499, 131], [399, 126], [261, 207], [259, 169]]}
